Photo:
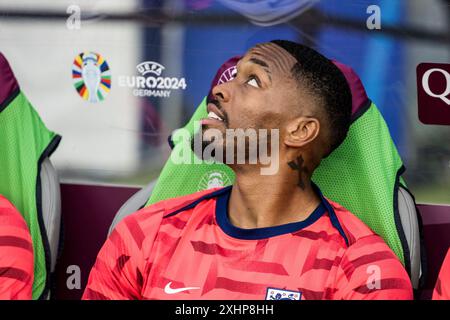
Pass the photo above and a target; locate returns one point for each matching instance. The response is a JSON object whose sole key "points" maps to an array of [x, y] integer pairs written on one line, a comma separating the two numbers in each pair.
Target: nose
{"points": [[221, 92]]}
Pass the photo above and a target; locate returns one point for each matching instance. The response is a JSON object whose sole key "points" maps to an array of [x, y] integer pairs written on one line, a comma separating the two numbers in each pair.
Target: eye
{"points": [[233, 73], [253, 81]]}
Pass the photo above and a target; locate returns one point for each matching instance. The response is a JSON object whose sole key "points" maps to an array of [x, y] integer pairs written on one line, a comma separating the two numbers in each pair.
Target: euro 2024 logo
{"points": [[91, 76], [150, 83]]}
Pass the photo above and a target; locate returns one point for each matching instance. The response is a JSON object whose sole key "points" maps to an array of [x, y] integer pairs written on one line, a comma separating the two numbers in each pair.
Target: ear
{"points": [[301, 131]]}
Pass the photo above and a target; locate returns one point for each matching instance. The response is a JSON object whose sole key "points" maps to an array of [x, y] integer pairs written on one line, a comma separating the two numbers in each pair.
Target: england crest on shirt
{"points": [[281, 294]]}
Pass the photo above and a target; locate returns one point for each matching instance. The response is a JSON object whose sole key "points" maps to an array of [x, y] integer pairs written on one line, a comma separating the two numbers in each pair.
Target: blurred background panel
{"points": [[123, 138]]}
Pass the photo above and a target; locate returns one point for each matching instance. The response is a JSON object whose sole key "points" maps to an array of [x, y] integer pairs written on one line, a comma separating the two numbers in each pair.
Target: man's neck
{"points": [[259, 201]]}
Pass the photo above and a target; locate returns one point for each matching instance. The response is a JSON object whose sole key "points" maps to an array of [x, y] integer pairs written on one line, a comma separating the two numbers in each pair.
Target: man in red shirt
{"points": [[16, 254], [272, 236]]}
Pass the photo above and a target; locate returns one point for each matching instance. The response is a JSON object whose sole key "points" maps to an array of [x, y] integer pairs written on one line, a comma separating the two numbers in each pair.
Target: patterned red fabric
{"points": [[158, 250], [16, 254], [442, 288]]}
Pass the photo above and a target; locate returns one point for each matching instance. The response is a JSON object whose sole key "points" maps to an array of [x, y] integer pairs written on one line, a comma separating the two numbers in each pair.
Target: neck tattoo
{"points": [[299, 165]]}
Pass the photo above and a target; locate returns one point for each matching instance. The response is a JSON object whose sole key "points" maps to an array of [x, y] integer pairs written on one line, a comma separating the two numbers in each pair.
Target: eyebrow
{"points": [[262, 64]]}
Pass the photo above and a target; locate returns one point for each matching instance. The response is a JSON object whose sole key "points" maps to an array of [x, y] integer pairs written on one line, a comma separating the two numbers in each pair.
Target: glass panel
{"points": [[179, 46]]}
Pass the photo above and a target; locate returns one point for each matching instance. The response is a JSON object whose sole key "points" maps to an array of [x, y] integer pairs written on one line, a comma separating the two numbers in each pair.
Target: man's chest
{"points": [[196, 269]]}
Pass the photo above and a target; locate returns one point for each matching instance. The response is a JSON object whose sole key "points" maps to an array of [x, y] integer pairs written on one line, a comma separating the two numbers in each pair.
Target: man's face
{"points": [[263, 95]]}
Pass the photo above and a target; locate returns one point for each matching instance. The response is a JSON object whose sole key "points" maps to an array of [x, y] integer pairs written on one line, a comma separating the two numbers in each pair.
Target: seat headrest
{"points": [[359, 95], [225, 73], [8, 82]]}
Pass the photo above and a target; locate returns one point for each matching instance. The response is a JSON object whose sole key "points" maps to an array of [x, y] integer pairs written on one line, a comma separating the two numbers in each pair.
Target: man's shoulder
{"points": [[173, 205], [354, 228], [10, 217], [148, 219], [368, 260]]}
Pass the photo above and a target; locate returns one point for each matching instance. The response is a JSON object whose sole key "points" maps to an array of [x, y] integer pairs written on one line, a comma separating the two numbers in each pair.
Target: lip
{"points": [[212, 107], [210, 122]]}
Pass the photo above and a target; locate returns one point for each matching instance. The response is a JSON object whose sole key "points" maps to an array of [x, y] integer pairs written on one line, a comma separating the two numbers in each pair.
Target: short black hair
{"points": [[327, 83]]}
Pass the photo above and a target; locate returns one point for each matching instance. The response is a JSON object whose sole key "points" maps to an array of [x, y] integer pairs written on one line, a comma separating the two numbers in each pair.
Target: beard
{"points": [[199, 143], [234, 146]]}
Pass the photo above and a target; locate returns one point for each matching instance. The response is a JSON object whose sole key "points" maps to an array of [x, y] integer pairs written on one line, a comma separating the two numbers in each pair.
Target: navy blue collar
{"points": [[263, 233]]}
